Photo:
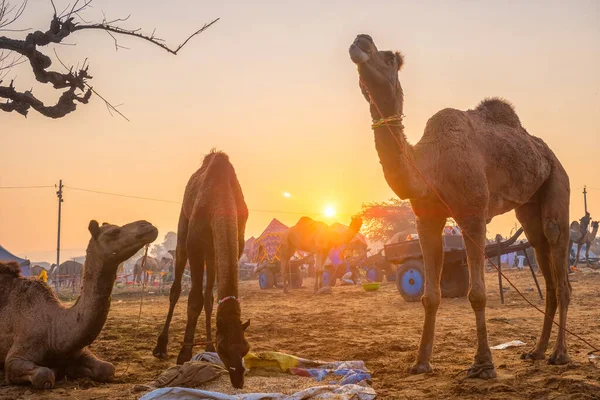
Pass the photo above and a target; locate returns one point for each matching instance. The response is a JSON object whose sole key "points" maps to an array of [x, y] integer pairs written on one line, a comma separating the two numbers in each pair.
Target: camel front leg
{"points": [[587, 253], [474, 238], [319, 263], [19, 371], [430, 238], [86, 364]]}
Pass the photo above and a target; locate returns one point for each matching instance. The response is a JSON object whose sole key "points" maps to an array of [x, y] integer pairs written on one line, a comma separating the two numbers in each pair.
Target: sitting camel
{"points": [[40, 338], [211, 230], [482, 163], [151, 265], [587, 239], [313, 237]]}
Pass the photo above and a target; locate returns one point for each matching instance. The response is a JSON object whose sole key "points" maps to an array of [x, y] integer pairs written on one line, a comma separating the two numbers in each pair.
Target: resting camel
{"points": [[482, 163], [211, 230], [587, 239], [313, 237], [40, 338]]}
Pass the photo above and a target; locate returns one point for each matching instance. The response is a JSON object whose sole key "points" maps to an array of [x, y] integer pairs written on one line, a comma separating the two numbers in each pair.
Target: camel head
{"points": [[355, 223], [378, 70], [232, 346], [595, 224], [114, 244]]}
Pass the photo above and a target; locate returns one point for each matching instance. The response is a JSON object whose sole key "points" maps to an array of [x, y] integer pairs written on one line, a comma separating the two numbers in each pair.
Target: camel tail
{"points": [[499, 111], [224, 226]]}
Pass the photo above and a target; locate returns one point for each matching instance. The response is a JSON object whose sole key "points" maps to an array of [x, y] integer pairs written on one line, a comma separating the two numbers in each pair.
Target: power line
{"points": [[178, 202], [25, 187]]}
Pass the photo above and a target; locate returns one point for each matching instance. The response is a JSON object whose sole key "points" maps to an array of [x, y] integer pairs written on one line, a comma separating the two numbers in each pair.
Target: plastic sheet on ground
{"points": [[513, 343], [329, 392]]}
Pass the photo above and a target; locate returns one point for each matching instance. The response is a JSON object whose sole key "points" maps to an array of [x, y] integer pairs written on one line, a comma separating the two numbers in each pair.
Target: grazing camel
{"points": [[313, 237], [151, 265], [211, 230], [587, 239], [40, 338], [482, 163]]}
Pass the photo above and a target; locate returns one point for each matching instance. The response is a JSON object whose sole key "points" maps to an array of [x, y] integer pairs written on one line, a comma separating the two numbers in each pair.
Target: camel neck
{"points": [[81, 324], [394, 153]]}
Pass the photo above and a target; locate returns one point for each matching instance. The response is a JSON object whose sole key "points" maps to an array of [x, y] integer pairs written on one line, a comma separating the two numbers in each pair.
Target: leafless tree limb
{"points": [[61, 26]]}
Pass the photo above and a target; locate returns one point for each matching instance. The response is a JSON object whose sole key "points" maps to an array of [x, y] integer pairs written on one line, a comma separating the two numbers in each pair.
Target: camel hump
{"points": [[10, 268], [499, 111], [575, 226]]}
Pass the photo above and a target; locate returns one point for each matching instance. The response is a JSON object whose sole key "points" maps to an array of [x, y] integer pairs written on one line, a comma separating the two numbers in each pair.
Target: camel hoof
{"points": [[482, 371], [532, 356], [160, 353], [185, 355], [43, 379], [559, 358], [420, 369]]}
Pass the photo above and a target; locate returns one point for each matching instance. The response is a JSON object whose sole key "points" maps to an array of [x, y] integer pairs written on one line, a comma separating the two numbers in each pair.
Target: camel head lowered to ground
{"points": [[39, 336], [477, 163]]}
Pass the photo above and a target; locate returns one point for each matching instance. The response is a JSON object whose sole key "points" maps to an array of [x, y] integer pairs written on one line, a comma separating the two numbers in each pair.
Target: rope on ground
{"points": [[465, 233], [137, 326]]}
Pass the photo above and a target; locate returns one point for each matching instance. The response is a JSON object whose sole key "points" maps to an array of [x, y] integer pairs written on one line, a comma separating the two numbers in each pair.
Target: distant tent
{"points": [[249, 248], [266, 246], [6, 255]]}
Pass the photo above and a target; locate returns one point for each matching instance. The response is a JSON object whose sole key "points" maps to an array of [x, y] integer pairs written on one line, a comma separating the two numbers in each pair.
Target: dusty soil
{"points": [[377, 327]]}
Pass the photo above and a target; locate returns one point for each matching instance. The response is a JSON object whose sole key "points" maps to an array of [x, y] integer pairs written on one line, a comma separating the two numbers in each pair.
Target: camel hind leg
{"points": [[530, 217], [209, 299], [160, 351], [287, 250], [552, 225]]}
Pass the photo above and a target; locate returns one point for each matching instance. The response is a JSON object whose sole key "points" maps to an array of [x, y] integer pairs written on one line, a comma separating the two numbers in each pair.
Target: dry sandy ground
{"points": [[377, 327]]}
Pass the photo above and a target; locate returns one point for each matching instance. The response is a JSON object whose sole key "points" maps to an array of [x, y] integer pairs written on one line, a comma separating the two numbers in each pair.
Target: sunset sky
{"points": [[272, 85]]}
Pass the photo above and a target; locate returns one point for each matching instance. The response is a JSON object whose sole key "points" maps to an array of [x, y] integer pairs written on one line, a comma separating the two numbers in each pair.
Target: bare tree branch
{"points": [[61, 26]]}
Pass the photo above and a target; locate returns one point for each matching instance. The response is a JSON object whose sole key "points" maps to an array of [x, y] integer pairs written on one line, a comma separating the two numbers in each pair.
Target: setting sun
{"points": [[329, 211]]}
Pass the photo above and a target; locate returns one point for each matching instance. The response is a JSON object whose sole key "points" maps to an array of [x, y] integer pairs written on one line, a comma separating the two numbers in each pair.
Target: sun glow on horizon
{"points": [[329, 211]]}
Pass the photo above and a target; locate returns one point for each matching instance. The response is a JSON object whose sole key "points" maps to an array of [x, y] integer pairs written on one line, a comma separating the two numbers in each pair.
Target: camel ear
{"points": [[94, 229], [399, 60], [246, 324]]}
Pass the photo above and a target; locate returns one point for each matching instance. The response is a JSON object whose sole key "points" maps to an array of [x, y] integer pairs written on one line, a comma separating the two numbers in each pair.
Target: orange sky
{"points": [[272, 85]]}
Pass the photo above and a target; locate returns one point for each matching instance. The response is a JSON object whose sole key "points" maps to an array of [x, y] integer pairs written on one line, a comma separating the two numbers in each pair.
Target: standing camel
{"points": [[313, 237], [587, 239], [211, 230], [482, 163], [151, 265]]}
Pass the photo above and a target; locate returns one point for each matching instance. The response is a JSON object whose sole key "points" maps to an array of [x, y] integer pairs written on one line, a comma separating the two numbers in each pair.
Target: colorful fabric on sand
{"points": [[346, 380]]}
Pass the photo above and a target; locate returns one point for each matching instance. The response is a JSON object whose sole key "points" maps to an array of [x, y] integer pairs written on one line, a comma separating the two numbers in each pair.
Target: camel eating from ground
{"points": [[482, 163], [586, 240], [313, 237], [151, 265], [211, 230], [41, 339]]}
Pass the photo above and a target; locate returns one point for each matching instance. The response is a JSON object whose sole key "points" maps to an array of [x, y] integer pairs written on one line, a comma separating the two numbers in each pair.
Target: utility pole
{"points": [[585, 199], [59, 194]]}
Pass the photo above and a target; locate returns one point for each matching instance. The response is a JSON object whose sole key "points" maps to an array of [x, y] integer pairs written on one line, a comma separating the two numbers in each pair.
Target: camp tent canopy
{"points": [[267, 245], [6, 255]]}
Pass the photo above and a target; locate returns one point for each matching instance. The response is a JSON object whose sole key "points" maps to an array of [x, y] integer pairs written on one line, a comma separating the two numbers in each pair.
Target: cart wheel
{"points": [[296, 279], [410, 280], [328, 278], [455, 280], [374, 274], [266, 280]]}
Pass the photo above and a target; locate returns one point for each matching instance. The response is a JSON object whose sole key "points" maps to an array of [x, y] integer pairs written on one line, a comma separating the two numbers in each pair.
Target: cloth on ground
{"points": [[337, 372], [329, 392], [191, 374]]}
